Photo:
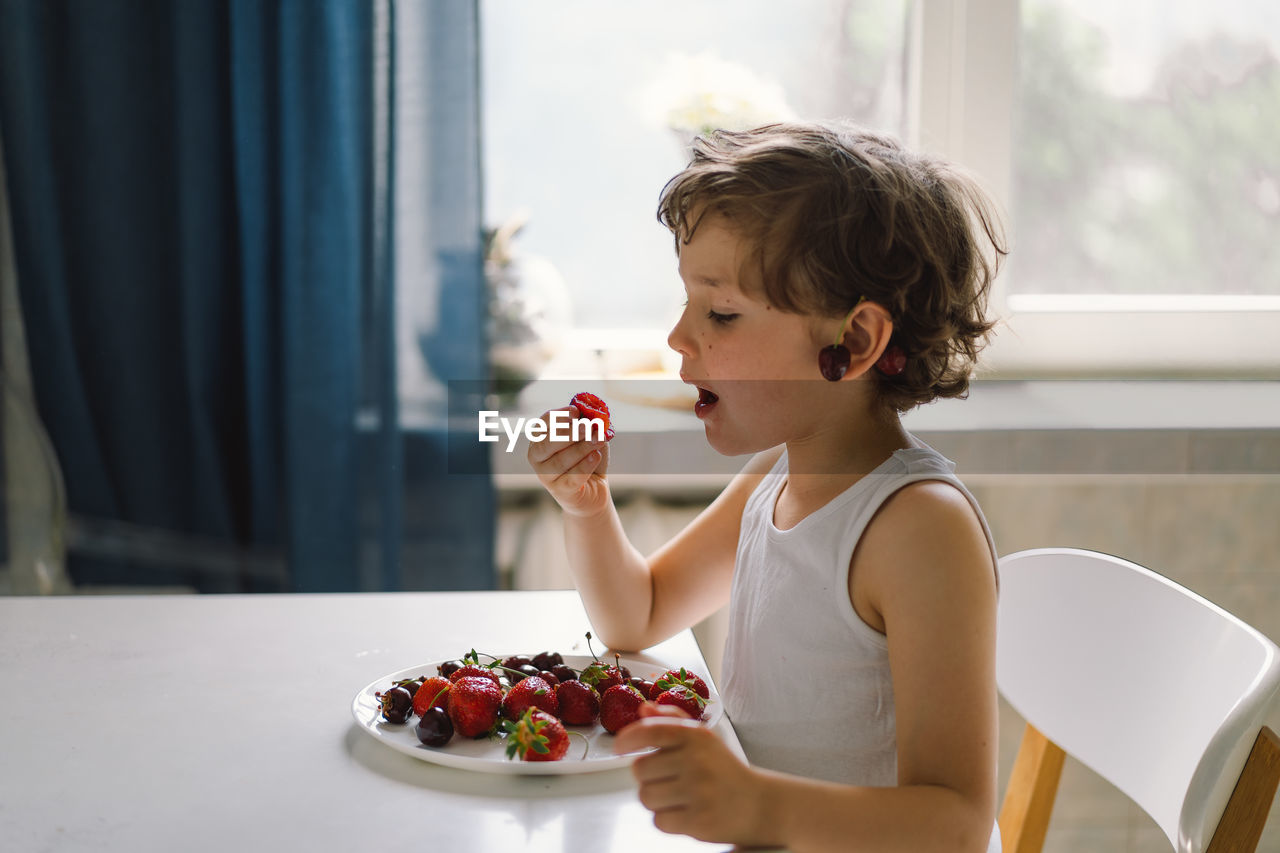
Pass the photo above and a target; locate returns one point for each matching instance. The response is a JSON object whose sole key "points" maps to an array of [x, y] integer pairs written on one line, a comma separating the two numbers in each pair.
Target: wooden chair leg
{"points": [[1033, 785], [1029, 797], [1246, 812]]}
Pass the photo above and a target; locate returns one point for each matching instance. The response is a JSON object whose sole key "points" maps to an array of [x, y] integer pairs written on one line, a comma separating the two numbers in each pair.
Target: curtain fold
{"points": [[301, 85], [205, 279]]}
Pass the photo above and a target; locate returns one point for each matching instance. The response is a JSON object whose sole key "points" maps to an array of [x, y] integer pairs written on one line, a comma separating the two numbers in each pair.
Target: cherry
{"points": [[833, 361], [397, 705], [564, 672], [435, 728], [449, 667], [645, 687], [546, 660], [517, 661]]}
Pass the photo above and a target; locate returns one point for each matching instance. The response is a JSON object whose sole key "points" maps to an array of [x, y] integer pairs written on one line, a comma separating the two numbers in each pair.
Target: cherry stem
{"points": [[586, 744], [497, 665], [847, 318]]}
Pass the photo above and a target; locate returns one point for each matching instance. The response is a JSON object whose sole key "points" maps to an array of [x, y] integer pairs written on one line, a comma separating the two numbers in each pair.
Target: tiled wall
{"points": [[1216, 534]]}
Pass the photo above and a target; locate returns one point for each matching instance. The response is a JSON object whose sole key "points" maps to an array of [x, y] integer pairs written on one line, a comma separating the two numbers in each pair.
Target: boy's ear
{"points": [[866, 336]]}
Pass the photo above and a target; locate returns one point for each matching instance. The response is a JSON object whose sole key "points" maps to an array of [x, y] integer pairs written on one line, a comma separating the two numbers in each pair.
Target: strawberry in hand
{"points": [[593, 408], [574, 471], [693, 783]]}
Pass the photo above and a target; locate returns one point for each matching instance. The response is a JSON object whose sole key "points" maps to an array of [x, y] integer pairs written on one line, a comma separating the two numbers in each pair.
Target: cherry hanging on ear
{"points": [[893, 361], [833, 361]]}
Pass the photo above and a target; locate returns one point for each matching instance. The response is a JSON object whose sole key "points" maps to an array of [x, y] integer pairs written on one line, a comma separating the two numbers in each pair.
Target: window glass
{"points": [[588, 107], [1146, 157]]}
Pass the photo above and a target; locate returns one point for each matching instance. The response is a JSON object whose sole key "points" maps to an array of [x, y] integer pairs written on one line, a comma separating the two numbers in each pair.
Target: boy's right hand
{"points": [[572, 471]]}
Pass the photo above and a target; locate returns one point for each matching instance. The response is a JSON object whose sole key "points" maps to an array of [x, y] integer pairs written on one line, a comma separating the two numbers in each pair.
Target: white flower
{"points": [[696, 94]]}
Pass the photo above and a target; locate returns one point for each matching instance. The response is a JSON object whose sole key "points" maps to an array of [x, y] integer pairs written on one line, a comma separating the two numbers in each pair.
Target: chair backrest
{"points": [[1154, 688]]}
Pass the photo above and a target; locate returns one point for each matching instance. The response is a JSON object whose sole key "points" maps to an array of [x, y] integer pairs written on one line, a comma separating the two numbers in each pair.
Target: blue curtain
{"points": [[203, 208]]}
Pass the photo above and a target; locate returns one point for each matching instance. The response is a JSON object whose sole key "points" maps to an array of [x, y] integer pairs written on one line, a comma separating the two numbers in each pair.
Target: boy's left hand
{"points": [[693, 784]]}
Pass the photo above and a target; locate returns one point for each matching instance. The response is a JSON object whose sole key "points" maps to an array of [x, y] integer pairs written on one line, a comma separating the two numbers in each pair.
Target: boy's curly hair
{"points": [[835, 213]]}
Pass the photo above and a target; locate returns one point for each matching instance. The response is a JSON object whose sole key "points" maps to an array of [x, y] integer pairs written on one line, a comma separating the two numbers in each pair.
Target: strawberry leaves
{"points": [[525, 735]]}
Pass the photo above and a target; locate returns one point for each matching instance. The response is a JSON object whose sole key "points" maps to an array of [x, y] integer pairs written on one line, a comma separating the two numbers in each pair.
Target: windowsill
{"points": [[1061, 428]]}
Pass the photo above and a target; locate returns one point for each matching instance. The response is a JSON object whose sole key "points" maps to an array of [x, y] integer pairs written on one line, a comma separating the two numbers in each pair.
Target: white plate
{"points": [[488, 755]]}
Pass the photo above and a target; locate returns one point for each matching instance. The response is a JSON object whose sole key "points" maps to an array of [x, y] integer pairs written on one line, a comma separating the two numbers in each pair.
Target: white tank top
{"points": [[793, 633]]}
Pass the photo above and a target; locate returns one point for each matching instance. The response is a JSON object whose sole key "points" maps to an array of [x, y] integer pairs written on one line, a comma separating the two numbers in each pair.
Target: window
{"points": [[1146, 159], [1146, 183], [588, 110], [1119, 137], [1132, 146]]}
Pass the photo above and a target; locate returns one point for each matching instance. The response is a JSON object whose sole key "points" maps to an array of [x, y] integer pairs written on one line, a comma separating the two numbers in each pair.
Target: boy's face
{"points": [[756, 367]]}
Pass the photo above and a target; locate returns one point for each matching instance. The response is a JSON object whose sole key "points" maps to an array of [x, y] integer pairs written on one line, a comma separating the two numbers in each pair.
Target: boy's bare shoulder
{"points": [[928, 503], [924, 531]]}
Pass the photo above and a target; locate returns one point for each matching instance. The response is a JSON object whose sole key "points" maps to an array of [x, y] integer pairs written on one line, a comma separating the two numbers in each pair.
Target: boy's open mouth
{"points": [[706, 399]]}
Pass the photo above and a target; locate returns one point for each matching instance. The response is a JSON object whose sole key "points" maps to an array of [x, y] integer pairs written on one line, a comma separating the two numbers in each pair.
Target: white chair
{"points": [[1155, 689]]}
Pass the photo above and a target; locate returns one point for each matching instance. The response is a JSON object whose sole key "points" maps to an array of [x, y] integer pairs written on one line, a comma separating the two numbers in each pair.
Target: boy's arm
{"points": [[932, 583], [632, 601]]}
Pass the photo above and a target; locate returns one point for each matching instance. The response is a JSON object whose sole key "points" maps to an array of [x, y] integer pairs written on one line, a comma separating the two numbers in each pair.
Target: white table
{"points": [[216, 723]]}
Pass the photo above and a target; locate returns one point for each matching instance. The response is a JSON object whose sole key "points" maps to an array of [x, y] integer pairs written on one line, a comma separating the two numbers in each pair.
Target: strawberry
{"points": [[473, 705], [434, 692], [531, 692], [601, 677], [579, 703], [683, 698], [536, 736], [472, 670], [593, 408], [683, 678], [619, 706]]}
